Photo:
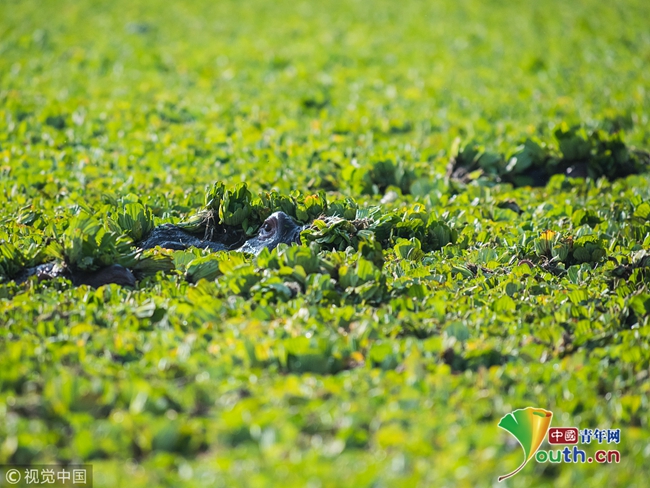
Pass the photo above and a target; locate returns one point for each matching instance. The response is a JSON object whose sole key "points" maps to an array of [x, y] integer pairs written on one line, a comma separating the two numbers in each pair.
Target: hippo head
{"points": [[278, 228]]}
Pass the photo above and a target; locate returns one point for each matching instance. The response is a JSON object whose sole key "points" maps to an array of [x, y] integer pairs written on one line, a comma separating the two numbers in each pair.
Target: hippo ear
{"points": [[290, 230], [294, 235]]}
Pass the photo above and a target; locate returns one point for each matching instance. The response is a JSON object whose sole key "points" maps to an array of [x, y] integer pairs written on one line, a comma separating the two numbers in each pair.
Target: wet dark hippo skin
{"points": [[169, 236], [111, 274], [278, 228]]}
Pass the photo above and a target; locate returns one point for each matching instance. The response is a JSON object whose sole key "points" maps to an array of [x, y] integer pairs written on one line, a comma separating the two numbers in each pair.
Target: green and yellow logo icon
{"points": [[529, 427]]}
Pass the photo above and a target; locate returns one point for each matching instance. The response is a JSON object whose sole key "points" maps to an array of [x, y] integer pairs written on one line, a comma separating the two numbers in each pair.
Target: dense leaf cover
{"points": [[452, 268]]}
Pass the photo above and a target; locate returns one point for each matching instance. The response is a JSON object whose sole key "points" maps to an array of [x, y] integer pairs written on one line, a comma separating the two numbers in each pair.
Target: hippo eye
{"points": [[267, 227]]}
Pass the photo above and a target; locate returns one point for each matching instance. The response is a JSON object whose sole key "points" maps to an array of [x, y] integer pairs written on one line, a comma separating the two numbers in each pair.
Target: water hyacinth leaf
{"points": [[235, 206], [370, 249], [382, 355], [545, 242], [347, 277], [409, 249], [463, 271], [182, 259], [640, 304], [243, 280], [312, 207], [643, 211], [588, 249], [457, 330], [440, 235], [504, 304], [135, 220], [573, 142], [206, 267], [561, 251], [281, 203], [214, 196], [233, 263], [151, 261], [366, 271], [11, 260], [87, 245], [529, 154], [304, 257]]}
